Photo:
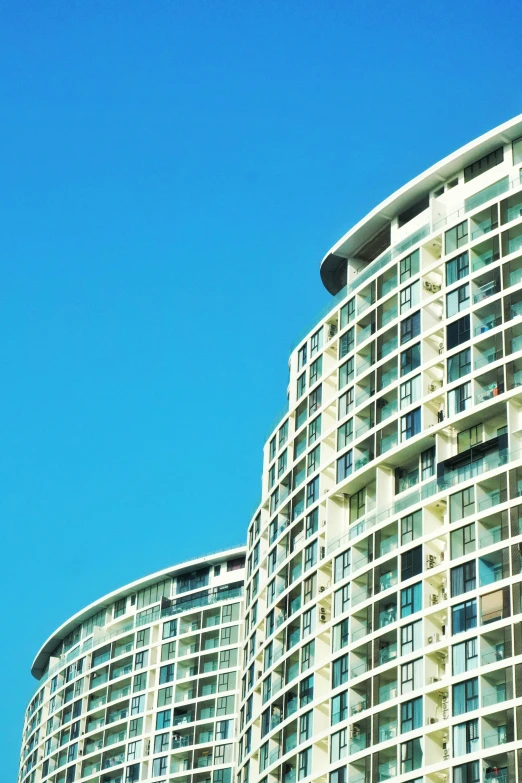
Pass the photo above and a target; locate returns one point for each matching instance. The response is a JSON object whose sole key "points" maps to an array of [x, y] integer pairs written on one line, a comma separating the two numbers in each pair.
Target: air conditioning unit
{"points": [[433, 680], [430, 639], [427, 285], [431, 561], [436, 637], [332, 331], [322, 615], [355, 730], [431, 387], [323, 552], [444, 596], [441, 348], [322, 589], [434, 599]]}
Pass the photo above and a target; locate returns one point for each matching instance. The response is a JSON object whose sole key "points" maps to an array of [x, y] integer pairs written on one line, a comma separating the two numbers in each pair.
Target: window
{"points": [[345, 403], [170, 629], [314, 430], [339, 708], [465, 696], [283, 434], [457, 300], [316, 369], [411, 755], [314, 400], [161, 743], [464, 616], [307, 656], [166, 673], [311, 524], [159, 766], [281, 463], [463, 578], [346, 343], [411, 715], [467, 773], [410, 359], [344, 435], [410, 328], [411, 675], [338, 775], [316, 342], [163, 720], [465, 656], [411, 600], [340, 636], [411, 563], [409, 297], [342, 566], [410, 391], [340, 671], [411, 424], [459, 399], [272, 448], [428, 463], [459, 365], [462, 504], [342, 600], [411, 637], [463, 541], [305, 726], [338, 746], [165, 697], [344, 466], [456, 237], [305, 763], [312, 491], [301, 385], [458, 332], [465, 738], [484, 164], [457, 268], [140, 682], [468, 438], [345, 373], [119, 607], [306, 690], [411, 527], [271, 477], [301, 357], [409, 266], [310, 555], [517, 151], [347, 313], [358, 504]]}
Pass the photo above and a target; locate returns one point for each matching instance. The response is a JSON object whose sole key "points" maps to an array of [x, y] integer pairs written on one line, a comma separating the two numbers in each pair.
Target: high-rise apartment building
{"points": [[381, 631], [144, 683]]}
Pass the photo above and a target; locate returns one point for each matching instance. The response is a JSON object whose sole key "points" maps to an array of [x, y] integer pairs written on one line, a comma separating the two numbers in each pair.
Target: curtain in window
{"points": [[457, 580], [459, 739], [459, 698]]}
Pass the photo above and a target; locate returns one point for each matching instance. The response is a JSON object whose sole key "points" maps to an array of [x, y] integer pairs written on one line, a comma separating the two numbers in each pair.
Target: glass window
{"points": [[345, 403], [411, 755], [344, 466], [483, 164], [411, 600], [456, 237], [462, 504], [316, 342], [409, 297], [458, 332], [464, 616], [465, 696], [463, 541], [342, 566], [468, 438], [409, 266], [347, 313], [459, 365], [410, 391], [459, 399], [315, 400], [316, 369], [344, 435], [465, 656], [463, 578], [340, 637], [457, 268], [465, 738], [283, 434], [517, 151], [312, 523], [468, 773], [314, 430], [411, 527], [411, 424], [346, 373], [457, 300], [340, 671], [411, 563], [346, 343], [411, 715], [272, 448], [410, 327], [301, 385], [312, 491], [302, 357], [410, 359], [428, 463]]}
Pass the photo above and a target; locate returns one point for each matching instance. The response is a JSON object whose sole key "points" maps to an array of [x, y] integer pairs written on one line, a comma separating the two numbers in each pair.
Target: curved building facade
{"points": [[143, 684], [381, 632], [383, 625]]}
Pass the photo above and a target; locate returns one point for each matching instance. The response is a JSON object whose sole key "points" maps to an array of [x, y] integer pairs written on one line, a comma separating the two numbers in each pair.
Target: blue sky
{"points": [[171, 175]]}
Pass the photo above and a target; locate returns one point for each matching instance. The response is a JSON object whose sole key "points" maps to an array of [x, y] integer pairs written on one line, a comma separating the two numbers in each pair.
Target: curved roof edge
{"points": [[374, 221], [42, 656]]}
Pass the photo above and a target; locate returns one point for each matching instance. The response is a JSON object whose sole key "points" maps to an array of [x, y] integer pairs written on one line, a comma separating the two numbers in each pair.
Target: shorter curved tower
{"points": [[143, 683]]}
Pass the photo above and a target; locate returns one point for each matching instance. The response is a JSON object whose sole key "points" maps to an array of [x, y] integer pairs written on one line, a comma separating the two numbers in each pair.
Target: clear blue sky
{"points": [[171, 175]]}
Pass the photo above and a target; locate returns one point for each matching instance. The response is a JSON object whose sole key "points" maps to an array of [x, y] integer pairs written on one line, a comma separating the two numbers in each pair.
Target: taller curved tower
{"points": [[383, 635]]}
